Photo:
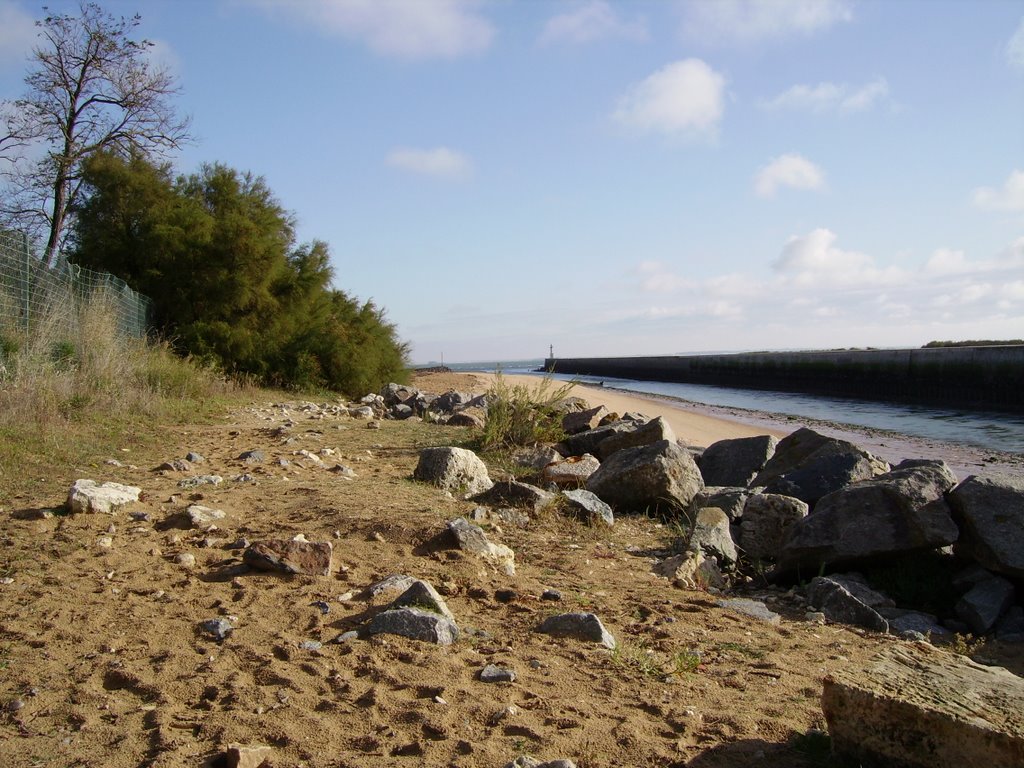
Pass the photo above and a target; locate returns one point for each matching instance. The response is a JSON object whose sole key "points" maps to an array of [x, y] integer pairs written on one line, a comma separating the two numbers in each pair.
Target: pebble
{"points": [[218, 629], [104, 542], [551, 594], [141, 517], [186, 559], [15, 705], [311, 645], [495, 674], [815, 617], [322, 606], [346, 637]]}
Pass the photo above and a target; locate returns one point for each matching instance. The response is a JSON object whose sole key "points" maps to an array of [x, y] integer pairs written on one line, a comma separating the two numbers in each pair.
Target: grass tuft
{"points": [[522, 415]]}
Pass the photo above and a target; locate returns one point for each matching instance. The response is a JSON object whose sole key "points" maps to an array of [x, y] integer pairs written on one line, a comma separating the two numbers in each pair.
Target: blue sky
{"points": [[618, 178]]}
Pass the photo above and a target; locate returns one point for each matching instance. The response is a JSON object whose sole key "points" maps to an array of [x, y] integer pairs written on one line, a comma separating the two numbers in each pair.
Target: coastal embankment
{"points": [[975, 378]]}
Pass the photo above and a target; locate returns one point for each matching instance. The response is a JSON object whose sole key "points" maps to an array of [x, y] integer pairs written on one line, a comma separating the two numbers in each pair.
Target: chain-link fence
{"points": [[31, 292]]}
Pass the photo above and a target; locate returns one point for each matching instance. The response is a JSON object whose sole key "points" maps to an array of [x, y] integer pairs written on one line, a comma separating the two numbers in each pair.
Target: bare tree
{"points": [[90, 87]]}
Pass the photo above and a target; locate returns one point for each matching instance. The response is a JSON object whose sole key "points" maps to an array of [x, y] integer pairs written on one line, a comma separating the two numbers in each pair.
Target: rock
{"points": [[711, 536], [465, 419], [729, 500], [450, 400], [753, 608], [186, 560], [201, 516], [514, 493], [982, 606], [495, 674], [653, 431], [551, 594], [966, 579], [572, 472], [401, 412], [586, 505], [218, 628], [252, 457], [858, 586], [902, 621], [396, 582], [311, 645], [253, 756], [415, 624], [537, 457], [364, 412], [394, 394], [525, 761], [766, 517], [579, 626], [990, 511], [422, 595], [840, 605], [807, 466], [692, 570], [587, 442], [195, 458], [736, 462], [508, 515], [471, 538], [920, 707], [174, 465], [290, 556], [102, 498], [657, 477], [583, 421], [1011, 627], [453, 469], [198, 480], [896, 513]]}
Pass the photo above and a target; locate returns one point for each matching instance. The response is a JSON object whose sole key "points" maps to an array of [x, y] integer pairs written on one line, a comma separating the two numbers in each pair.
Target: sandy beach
{"points": [[701, 425]]}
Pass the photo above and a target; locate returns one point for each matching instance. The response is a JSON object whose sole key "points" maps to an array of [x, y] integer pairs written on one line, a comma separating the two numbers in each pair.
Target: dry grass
{"points": [[73, 388]]}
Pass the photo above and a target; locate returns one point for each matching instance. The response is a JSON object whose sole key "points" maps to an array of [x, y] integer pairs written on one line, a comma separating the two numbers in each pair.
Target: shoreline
{"points": [[699, 424]]}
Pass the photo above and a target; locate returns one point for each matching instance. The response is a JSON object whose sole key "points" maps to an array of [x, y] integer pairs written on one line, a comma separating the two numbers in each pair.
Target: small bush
{"points": [[522, 415]]}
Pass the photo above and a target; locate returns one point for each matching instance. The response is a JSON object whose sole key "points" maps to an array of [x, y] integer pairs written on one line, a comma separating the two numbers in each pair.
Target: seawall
{"points": [[975, 378]]}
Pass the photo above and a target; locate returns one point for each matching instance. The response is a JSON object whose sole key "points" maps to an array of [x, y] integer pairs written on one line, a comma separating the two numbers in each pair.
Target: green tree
{"points": [[215, 251], [91, 87]]}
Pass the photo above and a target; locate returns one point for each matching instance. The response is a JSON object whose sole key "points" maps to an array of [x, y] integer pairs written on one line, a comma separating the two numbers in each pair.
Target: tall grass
{"points": [[72, 386], [522, 415]]}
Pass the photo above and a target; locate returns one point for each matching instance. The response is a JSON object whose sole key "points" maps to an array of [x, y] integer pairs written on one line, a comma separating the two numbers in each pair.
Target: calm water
{"points": [[994, 431]]}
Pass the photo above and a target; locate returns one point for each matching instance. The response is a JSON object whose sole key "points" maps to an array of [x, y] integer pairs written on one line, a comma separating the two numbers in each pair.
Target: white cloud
{"points": [[1015, 48], [788, 171], [591, 21], [439, 162], [658, 277], [946, 261], [1009, 197], [830, 97], [745, 21], [410, 29], [815, 260], [17, 33], [683, 98]]}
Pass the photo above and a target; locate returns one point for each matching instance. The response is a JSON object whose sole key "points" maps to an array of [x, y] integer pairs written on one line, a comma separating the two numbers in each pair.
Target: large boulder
{"points": [[582, 421], [808, 465], [990, 511], [729, 500], [834, 598], [660, 476], [587, 506], [899, 512], [920, 707], [587, 442], [653, 431], [766, 518], [572, 472], [295, 556], [453, 469], [711, 535], [736, 462], [985, 603]]}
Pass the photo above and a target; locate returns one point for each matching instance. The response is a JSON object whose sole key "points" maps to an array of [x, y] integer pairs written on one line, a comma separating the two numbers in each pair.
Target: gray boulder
{"points": [[586, 505], [711, 535], [582, 421], [736, 462], [660, 476], [422, 595], [766, 518], [102, 498], [985, 603], [513, 493], [471, 538], [580, 626], [808, 466], [537, 457], [587, 442], [840, 605], [450, 401], [919, 707], [899, 512], [416, 624], [990, 511], [653, 431], [729, 500], [453, 469]]}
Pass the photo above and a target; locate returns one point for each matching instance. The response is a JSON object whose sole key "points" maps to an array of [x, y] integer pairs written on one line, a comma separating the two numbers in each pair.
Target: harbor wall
{"points": [[975, 378]]}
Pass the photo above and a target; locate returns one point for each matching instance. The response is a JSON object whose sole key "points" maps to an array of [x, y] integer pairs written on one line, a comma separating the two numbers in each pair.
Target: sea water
{"points": [[984, 429]]}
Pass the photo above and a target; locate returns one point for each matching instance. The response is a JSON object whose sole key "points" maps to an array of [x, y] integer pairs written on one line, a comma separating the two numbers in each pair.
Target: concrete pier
{"points": [[974, 378]]}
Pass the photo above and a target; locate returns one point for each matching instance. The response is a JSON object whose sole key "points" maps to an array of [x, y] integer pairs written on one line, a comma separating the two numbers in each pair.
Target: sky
{"points": [[622, 177]]}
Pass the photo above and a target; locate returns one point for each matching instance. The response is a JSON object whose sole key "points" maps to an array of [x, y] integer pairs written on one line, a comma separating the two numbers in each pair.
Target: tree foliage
{"points": [[216, 252], [90, 87]]}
